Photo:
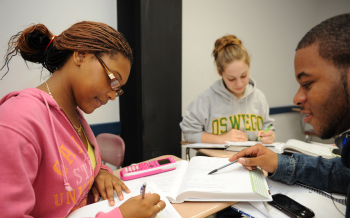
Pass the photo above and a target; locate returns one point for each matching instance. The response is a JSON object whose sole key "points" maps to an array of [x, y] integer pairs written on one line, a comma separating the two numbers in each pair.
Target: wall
{"points": [[269, 29], [15, 15]]}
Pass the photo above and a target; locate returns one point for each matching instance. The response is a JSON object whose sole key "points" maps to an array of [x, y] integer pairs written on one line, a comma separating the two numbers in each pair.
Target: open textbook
{"points": [[191, 182], [296, 146], [292, 146], [92, 209], [321, 203]]}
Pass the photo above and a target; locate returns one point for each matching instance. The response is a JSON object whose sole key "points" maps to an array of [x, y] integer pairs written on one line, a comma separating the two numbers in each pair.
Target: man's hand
{"points": [[259, 156]]}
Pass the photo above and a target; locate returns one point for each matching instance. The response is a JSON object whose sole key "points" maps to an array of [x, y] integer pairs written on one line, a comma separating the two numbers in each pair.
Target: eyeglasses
{"points": [[114, 82]]}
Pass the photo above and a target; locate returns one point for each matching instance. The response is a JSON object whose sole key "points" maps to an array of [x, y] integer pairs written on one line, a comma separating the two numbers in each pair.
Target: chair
{"points": [[112, 148]]}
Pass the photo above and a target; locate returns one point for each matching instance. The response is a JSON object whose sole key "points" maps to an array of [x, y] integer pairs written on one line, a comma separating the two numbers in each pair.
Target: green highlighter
{"points": [[264, 132]]}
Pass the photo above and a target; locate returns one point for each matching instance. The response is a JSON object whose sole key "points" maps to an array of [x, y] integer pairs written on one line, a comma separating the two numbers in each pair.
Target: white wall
{"points": [[269, 29], [15, 15]]}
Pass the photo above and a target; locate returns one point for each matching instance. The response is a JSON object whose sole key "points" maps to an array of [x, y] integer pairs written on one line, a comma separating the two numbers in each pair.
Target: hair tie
{"points": [[50, 42]]}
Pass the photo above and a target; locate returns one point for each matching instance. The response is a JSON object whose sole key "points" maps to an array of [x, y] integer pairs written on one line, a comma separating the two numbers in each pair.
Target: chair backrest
{"points": [[112, 148]]}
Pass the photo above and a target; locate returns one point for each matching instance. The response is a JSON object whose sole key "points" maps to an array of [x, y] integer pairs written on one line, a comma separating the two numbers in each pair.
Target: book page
{"points": [[92, 209], [308, 148], [168, 182], [232, 183]]}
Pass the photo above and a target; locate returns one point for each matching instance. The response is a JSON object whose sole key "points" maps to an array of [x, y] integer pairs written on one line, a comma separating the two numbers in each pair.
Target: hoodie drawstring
{"points": [[65, 179]]}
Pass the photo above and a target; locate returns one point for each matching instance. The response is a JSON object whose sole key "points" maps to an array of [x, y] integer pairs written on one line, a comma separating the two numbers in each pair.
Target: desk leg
{"points": [[188, 154]]}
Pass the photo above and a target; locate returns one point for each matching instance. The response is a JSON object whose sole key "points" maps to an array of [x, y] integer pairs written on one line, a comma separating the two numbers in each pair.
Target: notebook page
{"points": [[320, 205], [92, 209]]}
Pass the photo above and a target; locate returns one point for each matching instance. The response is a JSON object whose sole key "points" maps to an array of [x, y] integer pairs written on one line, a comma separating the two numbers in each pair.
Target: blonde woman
{"points": [[232, 109]]}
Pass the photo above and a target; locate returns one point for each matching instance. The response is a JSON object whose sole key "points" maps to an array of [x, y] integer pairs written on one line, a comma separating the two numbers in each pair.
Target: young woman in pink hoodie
{"points": [[50, 163]]}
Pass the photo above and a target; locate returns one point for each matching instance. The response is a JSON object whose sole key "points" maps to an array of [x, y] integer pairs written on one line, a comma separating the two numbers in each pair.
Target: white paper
{"points": [[92, 209]]}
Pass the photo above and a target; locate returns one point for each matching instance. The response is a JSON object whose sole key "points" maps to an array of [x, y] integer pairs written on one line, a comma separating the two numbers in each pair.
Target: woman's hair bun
{"points": [[227, 49], [224, 41], [33, 42]]}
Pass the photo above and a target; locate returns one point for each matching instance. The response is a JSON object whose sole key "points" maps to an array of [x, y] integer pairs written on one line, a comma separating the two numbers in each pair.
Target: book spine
{"points": [[323, 193]]}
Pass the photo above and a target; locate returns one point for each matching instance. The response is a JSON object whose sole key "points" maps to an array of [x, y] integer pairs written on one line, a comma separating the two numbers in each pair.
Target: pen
{"points": [[222, 167], [143, 190], [264, 132]]}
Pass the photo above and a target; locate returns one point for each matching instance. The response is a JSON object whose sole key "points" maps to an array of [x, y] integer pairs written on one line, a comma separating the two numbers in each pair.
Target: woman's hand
{"points": [[104, 186], [266, 137], [259, 155], [234, 135], [142, 208]]}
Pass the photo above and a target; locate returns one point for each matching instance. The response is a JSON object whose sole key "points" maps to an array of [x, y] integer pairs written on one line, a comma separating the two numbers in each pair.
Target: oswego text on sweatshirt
{"points": [[217, 111]]}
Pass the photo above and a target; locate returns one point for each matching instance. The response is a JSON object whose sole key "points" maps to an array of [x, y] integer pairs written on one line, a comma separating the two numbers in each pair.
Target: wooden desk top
{"points": [[193, 209]]}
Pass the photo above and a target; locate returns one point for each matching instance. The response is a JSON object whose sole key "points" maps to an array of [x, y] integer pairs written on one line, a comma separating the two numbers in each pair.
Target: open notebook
{"points": [[296, 146], [321, 203], [92, 209], [191, 182]]}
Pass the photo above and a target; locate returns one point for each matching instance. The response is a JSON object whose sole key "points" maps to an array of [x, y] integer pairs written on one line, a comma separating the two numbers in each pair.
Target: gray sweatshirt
{"points": [[217, 110]]}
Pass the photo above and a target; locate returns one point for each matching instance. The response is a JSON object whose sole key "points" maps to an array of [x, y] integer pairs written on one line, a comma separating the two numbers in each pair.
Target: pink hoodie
{"points": [[38, 144]]}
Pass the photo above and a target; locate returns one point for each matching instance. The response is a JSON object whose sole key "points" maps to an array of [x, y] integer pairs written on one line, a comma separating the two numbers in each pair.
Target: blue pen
{"points": [[143, 190]]}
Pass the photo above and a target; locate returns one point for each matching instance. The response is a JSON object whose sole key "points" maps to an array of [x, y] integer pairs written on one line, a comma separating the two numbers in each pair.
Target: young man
{"points": [[322, 68]]}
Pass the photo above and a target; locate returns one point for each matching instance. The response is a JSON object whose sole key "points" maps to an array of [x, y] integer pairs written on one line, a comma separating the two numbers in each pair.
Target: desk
{"points": [[216, 152], [209, 152], [193, 209]]}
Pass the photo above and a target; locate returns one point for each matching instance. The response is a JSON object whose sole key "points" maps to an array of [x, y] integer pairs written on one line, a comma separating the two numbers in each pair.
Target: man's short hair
{"points": [[333, 38]]}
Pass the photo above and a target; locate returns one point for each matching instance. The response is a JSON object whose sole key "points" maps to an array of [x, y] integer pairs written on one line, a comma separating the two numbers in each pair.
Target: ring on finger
{"points": [[160, 209]]}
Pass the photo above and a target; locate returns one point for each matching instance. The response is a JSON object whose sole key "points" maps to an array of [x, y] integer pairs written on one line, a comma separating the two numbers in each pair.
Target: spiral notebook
{"points": [[323, 204]]}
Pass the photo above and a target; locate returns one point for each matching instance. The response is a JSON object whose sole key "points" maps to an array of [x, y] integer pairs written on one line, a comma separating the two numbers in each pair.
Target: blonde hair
{"points": [[227, 49]]}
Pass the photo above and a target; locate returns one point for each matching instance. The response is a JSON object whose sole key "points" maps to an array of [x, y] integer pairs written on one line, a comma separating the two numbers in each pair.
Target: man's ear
{"points": [[79, 57]]}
